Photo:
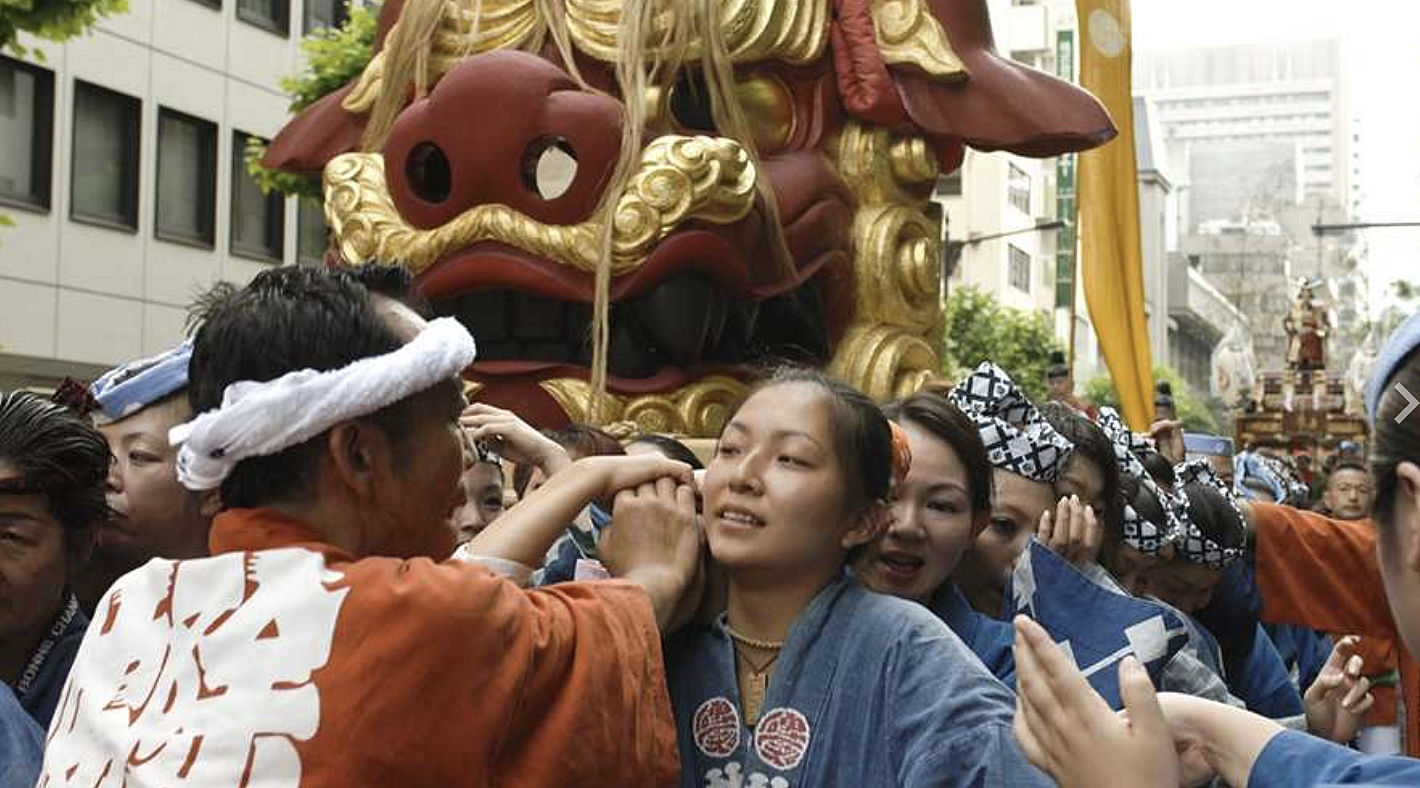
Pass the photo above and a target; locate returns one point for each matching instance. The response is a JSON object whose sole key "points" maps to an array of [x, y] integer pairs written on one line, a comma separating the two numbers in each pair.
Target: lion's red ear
{"points": [[325, 129], [1002, 105], [864, 83], [316, 135]]}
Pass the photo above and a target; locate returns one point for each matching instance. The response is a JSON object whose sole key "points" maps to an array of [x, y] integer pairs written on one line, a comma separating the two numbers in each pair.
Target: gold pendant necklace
{"points": [[756, 684]]}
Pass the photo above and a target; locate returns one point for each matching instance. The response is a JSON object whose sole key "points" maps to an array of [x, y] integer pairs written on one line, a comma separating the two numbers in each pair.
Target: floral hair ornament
{"points": [[901, 454], [1017, 438]]}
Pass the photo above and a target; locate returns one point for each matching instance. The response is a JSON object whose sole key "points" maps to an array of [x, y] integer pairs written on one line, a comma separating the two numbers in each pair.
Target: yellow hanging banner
{"points": [[1111, 261]]}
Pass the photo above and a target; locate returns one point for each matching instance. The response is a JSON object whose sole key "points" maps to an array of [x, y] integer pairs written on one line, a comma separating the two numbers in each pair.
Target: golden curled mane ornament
{"points": [[739, 181], [679, 179]]}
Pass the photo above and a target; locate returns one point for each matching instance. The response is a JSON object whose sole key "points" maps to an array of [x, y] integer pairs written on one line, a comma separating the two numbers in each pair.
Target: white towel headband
{"points": [[262, 418]]}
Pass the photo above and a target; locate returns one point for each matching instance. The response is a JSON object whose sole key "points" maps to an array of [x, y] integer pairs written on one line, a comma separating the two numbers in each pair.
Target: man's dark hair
{"points": [[391, 281], [1348, 464], [59, 453], [1057, 367], [1158, 466], [287, 319]]}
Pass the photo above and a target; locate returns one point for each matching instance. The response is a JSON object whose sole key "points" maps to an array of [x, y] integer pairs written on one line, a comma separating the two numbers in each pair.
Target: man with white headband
{"points": [[323, 644]]}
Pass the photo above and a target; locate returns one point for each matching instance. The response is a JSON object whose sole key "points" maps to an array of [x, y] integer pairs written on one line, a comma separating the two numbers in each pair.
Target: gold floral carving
{"points": [[892, 346], [899, 254], [884, 362], [883, 166], [679, 178], [793, 31], [908, 34], [700, 408]]}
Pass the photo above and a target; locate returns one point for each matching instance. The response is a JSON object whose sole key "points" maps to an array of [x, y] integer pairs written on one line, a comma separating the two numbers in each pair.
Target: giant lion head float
{"points": [[635, 203]]}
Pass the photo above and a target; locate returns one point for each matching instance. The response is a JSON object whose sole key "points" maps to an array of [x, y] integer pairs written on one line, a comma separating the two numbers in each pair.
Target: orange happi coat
{"points": [[282, 661]]}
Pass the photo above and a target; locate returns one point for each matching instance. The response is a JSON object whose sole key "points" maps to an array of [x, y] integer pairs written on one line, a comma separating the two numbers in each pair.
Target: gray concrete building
{"points": [[1250, 266]]}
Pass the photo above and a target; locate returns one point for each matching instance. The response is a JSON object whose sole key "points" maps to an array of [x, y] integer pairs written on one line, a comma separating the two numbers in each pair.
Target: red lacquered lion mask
{"points": [[748, 179]]}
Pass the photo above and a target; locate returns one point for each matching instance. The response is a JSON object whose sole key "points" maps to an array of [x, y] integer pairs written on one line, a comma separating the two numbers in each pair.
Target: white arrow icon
{"points": [[1414, 403]]}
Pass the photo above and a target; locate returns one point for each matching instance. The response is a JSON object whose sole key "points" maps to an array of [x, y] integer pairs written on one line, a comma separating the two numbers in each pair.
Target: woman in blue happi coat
{"points": [[1168, 740], [938, 510], [807, 679]]}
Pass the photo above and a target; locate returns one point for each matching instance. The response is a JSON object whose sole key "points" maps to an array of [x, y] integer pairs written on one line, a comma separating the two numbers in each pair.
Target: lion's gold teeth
{"points": [[708, 179], [699, 409]]}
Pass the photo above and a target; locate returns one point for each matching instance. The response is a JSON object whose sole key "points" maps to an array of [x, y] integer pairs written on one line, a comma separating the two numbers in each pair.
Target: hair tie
{"points": [[901, 453]]}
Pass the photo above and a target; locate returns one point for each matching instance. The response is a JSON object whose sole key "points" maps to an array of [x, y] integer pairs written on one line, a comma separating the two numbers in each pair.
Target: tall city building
{"points": [[1264, 146], [1259, 93], [122, 169]]}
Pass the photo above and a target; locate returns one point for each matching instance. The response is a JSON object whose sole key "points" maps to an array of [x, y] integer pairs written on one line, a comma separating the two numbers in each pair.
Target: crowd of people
{"points": [[290, 551]]}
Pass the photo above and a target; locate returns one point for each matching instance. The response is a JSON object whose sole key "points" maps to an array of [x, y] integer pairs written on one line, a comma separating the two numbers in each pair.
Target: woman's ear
{"points": [[874, 520]]}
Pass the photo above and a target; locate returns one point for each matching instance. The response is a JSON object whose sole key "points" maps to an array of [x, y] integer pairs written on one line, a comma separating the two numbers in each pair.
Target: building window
{"points": [[27, 126], [1019, 268], [1018, 189], [187, 179], [312, 238], [258, 220], [272, 15], [104, 175], [324, 13]]}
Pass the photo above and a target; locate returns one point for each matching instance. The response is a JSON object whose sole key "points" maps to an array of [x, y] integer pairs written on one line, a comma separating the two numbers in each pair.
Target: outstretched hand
{"points": [[1066, 728], [1338, 700]]}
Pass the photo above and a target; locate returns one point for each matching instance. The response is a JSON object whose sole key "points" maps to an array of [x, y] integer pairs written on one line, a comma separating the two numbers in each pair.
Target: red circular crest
{"points": [[717, 728], [781, 738]]}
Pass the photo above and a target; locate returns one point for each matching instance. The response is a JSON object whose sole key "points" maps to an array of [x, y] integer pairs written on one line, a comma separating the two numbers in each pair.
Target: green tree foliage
{"points": [[52, 20], [1193, 410], [334, 56], [980, 329]]}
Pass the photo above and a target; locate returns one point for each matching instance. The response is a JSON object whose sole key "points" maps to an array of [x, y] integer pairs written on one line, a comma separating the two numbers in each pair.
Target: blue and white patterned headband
{"points": [[1279, 478], [1140, 533], [1193, 545], [1401, 343], [1126, 442], [129, 388], [1017, 438]]}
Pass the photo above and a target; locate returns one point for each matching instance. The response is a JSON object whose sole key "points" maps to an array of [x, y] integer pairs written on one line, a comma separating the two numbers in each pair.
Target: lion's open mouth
{"points": [[686, 321]]}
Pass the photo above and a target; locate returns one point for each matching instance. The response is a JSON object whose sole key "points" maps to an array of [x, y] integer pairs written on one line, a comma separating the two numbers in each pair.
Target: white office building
{"points": [[121, 167]]}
